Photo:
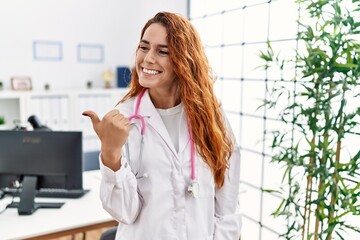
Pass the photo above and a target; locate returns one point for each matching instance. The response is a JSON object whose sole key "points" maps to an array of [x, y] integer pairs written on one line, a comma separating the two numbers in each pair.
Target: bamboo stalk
{"points": [[317, 221], [336, 180], [308, 196], [321, 179]]}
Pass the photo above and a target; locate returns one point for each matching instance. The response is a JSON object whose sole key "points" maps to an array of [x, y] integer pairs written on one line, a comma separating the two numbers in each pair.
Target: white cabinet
{"points": [[60, 110]]}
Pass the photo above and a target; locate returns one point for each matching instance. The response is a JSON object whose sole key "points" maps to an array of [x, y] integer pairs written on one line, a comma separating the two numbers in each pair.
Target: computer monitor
{"points": [[40, 159]]}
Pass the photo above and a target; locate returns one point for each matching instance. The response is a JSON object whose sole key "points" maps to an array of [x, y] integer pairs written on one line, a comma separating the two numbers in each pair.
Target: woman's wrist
{"points": [[111, 158]]}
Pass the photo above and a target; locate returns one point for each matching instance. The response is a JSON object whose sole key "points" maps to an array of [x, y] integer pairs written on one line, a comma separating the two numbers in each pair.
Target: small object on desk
{"points": [[89, 84], [47, 87]]}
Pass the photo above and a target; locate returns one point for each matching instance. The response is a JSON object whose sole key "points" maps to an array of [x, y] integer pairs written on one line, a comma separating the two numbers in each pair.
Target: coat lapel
{"points": [[184, 137], [148, 110], [153, 118]]}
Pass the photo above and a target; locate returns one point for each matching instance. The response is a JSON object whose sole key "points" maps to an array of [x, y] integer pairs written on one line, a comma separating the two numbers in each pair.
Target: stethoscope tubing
{"points": [[136, 115]]}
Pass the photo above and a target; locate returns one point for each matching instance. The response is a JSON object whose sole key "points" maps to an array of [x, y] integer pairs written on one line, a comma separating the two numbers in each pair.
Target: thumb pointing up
{"points": [[93, 116], [94, 119], [112, 130]]}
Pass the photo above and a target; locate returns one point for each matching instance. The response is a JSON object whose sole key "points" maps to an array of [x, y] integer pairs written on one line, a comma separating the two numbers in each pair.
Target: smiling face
{"points": [[153, 64]]}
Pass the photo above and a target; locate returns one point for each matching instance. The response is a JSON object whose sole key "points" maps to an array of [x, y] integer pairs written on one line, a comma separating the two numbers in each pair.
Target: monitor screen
{"points": [[53, 159]]}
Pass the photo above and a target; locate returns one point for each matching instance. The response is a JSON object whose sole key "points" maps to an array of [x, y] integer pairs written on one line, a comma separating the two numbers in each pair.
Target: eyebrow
{"points": [[160, 45]]}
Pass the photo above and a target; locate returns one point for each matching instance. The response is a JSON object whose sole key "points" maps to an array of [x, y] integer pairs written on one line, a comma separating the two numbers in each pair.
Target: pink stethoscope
{"points": [[193, 188]]}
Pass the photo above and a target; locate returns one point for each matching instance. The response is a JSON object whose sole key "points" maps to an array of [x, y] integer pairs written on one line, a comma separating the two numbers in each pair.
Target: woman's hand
{"points": [[113, 131]]}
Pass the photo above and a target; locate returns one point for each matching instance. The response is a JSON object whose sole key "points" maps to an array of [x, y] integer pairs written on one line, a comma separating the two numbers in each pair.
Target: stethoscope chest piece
{"points": [[194, 189]]}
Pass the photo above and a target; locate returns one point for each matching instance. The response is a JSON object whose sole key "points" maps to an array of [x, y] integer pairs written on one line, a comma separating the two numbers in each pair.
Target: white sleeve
{"points": [[228, 221], [118, 192]]}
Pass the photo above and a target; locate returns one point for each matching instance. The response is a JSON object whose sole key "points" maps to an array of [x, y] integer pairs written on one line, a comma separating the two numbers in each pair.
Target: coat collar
{"points": [[153, 119]]}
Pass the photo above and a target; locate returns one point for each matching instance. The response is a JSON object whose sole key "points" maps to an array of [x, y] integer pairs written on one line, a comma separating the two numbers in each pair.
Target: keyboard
{"points": [[61, 193], [51, 192]]}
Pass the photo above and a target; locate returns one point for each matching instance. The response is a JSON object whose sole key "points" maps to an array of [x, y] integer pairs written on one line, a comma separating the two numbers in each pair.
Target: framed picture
{"points": [[21, 83]]}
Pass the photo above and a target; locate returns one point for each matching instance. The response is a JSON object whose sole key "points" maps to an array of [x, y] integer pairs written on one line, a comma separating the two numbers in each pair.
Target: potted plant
{"points": [[2, 122], [321, 179]]}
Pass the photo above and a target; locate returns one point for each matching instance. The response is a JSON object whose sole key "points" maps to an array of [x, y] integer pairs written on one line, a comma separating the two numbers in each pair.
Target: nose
{"points": [[150, 57]]}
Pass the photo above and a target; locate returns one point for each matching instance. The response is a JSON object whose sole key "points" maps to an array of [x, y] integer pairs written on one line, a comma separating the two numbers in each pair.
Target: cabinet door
{"points": [[51, 110]]}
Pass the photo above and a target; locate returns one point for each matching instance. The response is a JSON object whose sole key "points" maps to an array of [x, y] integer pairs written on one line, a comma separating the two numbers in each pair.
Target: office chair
{"points": [[91, 160], [109, 234]]}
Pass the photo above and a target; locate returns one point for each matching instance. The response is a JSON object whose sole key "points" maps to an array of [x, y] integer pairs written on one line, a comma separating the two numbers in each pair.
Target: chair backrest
{"points": [[109, 234], [91, 160]]}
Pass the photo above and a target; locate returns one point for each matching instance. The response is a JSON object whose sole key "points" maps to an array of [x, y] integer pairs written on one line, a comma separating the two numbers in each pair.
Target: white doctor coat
{"points": [[157, 206]]}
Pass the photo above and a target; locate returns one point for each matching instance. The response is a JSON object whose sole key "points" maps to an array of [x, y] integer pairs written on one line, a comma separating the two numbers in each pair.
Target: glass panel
{"points": [[213, 6], [268, 235], [252, 61], [256, 27], [199, 25], [232, 62], [232, 4], [250, 170], [250, 202], [270, 204], [234, 121], [213, 34], [253, 96], [283, 17], [252, 131], [233, 27], [273, 174], [215, 59], [218, 88], [231, 98], [253, 2], [249, 230], [197, 8]]}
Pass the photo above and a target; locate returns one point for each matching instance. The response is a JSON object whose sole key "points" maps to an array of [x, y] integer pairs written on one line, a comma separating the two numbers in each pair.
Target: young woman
{"points": [[169, 161]]}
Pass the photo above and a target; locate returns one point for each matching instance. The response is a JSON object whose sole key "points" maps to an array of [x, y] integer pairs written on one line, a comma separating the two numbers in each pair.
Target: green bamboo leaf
{"points": [[356, 188], [339, 235], [356, 157], [267, 57], [346, 66], [271, 191], [277, 211]]}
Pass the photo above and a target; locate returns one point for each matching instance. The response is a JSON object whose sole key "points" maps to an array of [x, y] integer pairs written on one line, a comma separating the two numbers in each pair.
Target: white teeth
{"points": [[148, 71]]}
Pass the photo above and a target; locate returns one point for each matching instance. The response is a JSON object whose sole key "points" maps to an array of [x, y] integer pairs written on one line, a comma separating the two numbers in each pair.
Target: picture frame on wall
{"points": [[21, 84]]}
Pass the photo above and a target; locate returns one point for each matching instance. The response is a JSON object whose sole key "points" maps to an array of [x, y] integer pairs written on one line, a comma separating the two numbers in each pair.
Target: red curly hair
{"points": [[195, 79]]}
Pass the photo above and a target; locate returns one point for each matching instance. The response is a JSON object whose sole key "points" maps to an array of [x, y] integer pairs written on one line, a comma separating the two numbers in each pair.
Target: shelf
{"points": [[60, 110]]}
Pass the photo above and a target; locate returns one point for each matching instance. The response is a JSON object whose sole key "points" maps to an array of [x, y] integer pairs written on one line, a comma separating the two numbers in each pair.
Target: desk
{"points": [[76, 215]]}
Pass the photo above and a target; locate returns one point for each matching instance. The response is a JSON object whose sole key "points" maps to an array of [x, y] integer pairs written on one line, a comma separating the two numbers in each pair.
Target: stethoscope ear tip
{"points": [[145, 175]]}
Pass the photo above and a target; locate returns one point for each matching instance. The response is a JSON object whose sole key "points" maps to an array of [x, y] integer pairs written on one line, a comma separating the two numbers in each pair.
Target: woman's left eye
{"points": [[163, 52]]}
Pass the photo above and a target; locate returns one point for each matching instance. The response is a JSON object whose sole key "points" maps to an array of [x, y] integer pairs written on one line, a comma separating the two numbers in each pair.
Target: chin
{"points": [[144, 84]]}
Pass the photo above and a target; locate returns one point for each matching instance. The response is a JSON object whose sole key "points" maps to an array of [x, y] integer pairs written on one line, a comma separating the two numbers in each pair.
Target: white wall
{"points": [[114, 24]]}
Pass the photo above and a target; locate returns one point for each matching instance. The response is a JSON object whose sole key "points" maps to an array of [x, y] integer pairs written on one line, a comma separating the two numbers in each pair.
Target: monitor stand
{"points": [[27, 204]]}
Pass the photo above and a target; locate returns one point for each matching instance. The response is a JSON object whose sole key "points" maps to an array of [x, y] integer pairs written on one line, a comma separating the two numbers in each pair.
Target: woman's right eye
{"points": [[143, 48]]}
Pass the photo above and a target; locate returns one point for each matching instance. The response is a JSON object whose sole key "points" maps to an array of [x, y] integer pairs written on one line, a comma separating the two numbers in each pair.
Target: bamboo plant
{"points": [[321, 180]]}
